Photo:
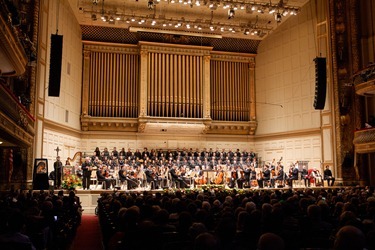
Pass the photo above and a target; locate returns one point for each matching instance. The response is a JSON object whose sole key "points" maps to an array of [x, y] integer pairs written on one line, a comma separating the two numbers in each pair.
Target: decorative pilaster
{"points": [[206, 87], [252, 89], [85, 81], [143, 83]]}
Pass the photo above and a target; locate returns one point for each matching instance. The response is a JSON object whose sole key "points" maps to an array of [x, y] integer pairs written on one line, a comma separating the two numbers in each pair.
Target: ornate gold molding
{"points": [[110, 47], [10, 46], [175, 48], [234, 57]]}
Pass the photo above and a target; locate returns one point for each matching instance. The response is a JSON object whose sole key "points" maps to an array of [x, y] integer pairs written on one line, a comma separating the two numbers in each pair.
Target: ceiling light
{"points": [[261, 10], [272, 10], [174, 32], [293, 12], [150, 4], [278, 17], [212, 6], [246, 32], [231, 13]]}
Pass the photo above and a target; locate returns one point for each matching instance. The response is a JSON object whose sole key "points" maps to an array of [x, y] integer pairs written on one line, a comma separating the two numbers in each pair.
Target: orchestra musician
{"points": [[219, 178], [102, 174], [265, 177], [293, 174], [175, 176], [279, 175], [86, 173], [199, 178], [246, 172], [152, 177], [233, 177], [122, 174]]}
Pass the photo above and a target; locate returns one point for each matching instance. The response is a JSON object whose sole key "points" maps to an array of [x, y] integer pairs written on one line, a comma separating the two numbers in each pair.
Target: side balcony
{"points": [[364, 81], [364, 141], [13, 60]]}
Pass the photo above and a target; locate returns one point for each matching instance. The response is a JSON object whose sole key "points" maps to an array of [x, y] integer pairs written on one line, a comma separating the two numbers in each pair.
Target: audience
{"points": [[230, 219], [38, 220]]}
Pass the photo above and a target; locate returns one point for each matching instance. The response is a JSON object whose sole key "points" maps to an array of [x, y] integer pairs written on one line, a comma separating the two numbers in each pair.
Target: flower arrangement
{"points": [[71, 181]]}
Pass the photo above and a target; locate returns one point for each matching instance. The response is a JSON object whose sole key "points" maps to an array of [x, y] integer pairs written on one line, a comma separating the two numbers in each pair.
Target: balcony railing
{"points": [[15, 45], [364, 140], [364, 80]]}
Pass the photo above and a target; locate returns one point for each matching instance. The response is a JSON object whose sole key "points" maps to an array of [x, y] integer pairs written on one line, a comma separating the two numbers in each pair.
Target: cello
{"points": [[220, 177]]}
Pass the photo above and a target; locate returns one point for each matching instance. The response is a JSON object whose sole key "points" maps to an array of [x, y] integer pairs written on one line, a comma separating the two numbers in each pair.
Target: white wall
{"points": [[69, 100], [68, 145], [285, 75], [58, 118]]}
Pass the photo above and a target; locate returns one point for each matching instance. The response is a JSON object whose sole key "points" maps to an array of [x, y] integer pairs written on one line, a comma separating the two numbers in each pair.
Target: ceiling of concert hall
{"points": [[216, 19]]}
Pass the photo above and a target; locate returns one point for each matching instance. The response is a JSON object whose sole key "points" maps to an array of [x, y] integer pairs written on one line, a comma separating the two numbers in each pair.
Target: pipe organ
{"points": [[175, 85], [130, 87], [230, 99], [113, 85]]}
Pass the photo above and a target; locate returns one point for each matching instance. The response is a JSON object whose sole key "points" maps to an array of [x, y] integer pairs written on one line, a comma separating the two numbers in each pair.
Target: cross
{"points": [[57, 150]]}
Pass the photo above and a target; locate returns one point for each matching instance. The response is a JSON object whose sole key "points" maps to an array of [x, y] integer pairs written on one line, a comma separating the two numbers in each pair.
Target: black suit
{"points": [[101, 177], [86, 174], [329, 177], [58, 172]]}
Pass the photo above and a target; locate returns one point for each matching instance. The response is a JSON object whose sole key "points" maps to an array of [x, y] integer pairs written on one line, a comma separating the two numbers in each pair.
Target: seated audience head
{"points": [[206, 241], [350, 238], [270, 241]]}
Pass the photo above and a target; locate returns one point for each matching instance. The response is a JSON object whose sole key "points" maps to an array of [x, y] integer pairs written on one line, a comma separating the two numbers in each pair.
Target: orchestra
{"points": [[157, 169]]}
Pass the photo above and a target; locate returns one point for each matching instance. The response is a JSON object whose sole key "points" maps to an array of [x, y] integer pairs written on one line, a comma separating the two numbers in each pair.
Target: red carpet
{"points": [[88, 234]]}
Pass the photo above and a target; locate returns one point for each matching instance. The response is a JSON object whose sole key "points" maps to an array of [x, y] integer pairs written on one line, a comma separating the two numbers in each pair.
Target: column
{"points": [[143, 83], [85, 82], [206, 87], [252, 90]]}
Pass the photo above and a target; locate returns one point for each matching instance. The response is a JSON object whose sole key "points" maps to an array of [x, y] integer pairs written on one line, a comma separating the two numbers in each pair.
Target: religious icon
{"points": [[41, 166]]}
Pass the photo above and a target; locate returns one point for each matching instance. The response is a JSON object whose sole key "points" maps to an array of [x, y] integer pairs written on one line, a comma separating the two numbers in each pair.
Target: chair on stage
{"points": [[299, 182], [123, 184], [173, 183], [93, 179], [101, 182]]}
